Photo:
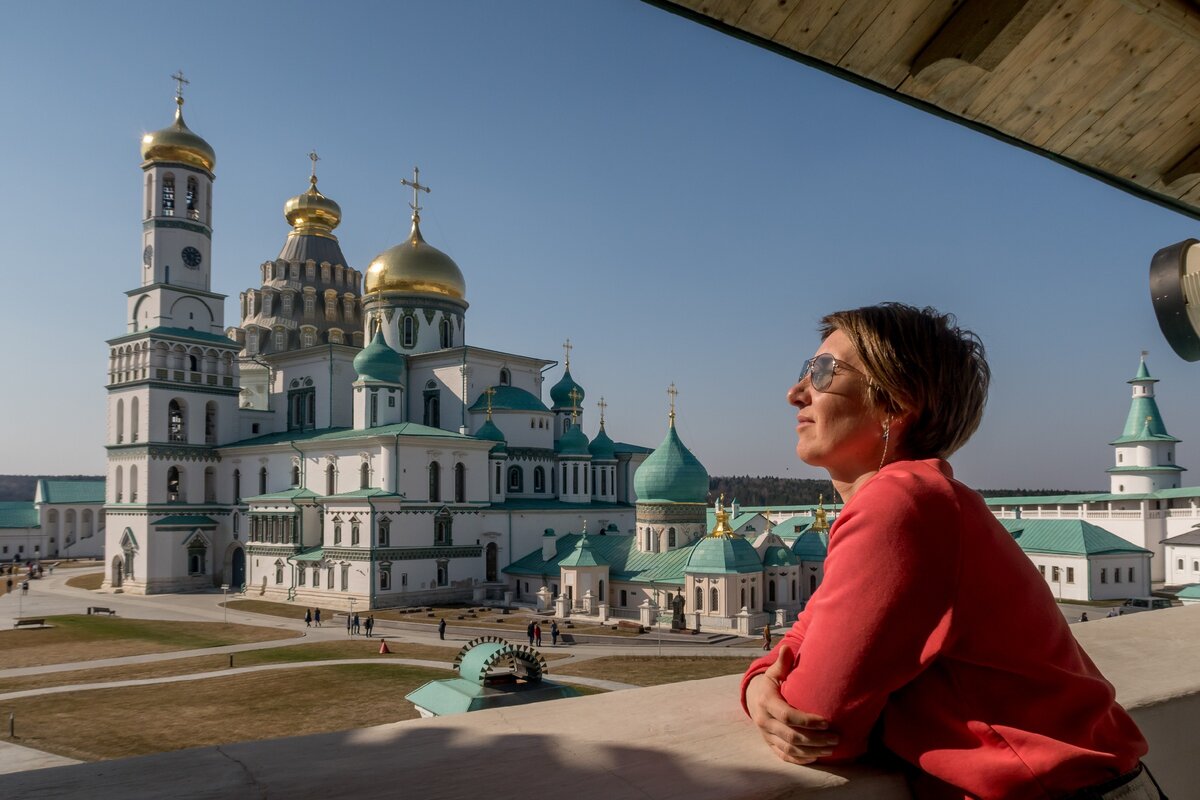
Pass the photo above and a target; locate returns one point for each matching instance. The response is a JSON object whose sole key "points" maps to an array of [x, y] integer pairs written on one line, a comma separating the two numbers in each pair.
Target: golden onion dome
{"points": [[178, 144], [415, 266], [312, 213]]}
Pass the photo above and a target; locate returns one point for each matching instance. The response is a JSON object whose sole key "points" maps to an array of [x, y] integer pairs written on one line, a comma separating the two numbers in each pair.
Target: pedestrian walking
{"points": [[307, 618], [25, 587], [442, 628], [766, 637], [357, 625], [529, 632], [1083, 617], [317, 616], [10, 584], [537, 634], [554, 633], [370, 624], [349, 625]]}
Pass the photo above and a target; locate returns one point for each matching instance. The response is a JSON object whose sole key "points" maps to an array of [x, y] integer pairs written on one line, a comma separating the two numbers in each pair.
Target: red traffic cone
{"points": [[383, 648]]}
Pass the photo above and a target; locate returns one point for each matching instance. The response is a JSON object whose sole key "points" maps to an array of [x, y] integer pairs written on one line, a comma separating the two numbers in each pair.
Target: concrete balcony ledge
{"points": [[687, 740]]}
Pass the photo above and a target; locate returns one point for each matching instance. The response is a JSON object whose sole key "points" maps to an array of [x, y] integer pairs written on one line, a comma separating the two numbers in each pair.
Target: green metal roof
{"points": [[509, 398], [1144, 423], [583, 555], [50, 491], [380, 363], [180, 333], [294, 493], [1143, 375], [489, 432], [336, 434], [1160, 468], [626, 447], [185, 521], [788, 527], [18, 514], [311, 554], [530, 504], [811, 545], [776, 556], [735, 523], [625, 561], [723, 555], [1068, 499], [1067, 536], [360, 493], [560, 393], [572, 443], [602, 447], [671, 474], [1189, 592]]}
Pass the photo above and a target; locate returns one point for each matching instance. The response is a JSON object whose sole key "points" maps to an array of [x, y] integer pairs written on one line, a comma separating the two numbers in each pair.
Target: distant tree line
{"points": [[22, 487], [768, 490]]}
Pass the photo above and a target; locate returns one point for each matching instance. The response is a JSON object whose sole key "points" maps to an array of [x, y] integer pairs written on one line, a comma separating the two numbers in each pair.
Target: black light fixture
{"points": [[1175, 293]]}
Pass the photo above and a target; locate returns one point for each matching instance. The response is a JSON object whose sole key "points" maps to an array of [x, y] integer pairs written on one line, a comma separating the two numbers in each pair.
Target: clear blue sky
{"points": [[680, 204]]}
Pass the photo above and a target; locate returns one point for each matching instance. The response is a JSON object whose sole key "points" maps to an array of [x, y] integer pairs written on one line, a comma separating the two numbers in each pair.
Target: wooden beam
{"points": [[980, 33], [1177, 16]]}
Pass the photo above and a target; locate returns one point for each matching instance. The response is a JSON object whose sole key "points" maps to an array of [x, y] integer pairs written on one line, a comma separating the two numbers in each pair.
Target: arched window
{"points": [[716, 599], [373, 406], [117, 498], [262, 481], [168, 195], [133, 420], [601, 586], [442, 528], [575, 479], [433, 405], [743, 601], [330, 480], [516, 481], [176, 423], [670, 537], [278, 571], [770, 591], [385, 577], [793, 590], [753, 597], [539, 479], [120, 421], [408, 336], [355, 532], [460, 483], [210, 485], [443, 574], [446, 333], [364, 475], [295, 474], [337, 533], [193, 199], [237, 486], [175, 490], [133, 483], [385, 532], [624, 598], [210, 422], [435, 482], [812, 584], [699, 598], [505, 376]]}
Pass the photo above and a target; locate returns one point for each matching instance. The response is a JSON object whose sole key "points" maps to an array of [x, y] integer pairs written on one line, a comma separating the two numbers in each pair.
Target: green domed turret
{"points": [[573, 443], [723, 552], [671, 474], [560, 393], [602, 448], [378, 362]]}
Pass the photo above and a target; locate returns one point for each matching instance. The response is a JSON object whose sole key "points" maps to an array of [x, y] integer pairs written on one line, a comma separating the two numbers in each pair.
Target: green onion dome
{"points": [[671, 474], [573, 443], [560, 393], [380, 363], [602, 448], [491, 433], [778, 556], [722, 555]]}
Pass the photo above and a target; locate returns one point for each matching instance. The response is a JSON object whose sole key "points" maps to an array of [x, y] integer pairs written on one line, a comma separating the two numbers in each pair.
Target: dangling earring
{"points": [[887, 434]]}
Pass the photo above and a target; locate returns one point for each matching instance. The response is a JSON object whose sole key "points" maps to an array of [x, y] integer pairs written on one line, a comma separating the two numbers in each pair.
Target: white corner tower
{"points": [[1145, 452]]}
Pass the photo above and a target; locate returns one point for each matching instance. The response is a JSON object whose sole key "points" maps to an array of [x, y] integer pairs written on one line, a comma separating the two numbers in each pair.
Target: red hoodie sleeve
{"points": [[883, 610]]}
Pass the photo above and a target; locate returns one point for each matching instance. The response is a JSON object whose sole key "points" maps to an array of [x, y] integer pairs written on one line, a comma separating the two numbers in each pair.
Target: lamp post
{"points": [[351, 620], [225, 600]]}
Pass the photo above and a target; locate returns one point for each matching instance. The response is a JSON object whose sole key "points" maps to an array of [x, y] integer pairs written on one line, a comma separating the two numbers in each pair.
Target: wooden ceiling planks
{"points": [[1105, 85]]}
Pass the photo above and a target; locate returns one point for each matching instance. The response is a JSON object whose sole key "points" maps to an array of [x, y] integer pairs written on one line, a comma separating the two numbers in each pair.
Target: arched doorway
{"points": [[118, 572], [237, 570], [491, 552]]}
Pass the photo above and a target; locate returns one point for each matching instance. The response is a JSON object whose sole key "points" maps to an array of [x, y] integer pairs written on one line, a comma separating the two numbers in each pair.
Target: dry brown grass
{"points": [[239, 708], [78, 637], [78, 563], [317, 651], [655, 670], [91, 581]]}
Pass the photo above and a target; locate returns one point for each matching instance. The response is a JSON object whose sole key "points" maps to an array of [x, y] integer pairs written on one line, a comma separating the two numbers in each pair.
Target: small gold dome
{"points": [[312, 213], [417, 267], [178, 144]]}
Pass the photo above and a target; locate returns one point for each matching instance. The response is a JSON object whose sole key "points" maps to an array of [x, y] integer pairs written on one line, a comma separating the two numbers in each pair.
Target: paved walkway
{"points": [[50, 596]]}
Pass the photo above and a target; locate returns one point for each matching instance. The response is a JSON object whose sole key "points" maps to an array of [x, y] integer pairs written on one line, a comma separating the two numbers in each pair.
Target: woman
{"points": [[932, 634]]}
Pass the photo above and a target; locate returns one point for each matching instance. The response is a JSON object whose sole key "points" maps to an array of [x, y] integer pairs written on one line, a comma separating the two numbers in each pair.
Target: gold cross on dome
{"points": [[574, 395], [672, 392], [314, 158], [180, 82], [567, 348], [417, 188], [491, 390], [602, 405]]}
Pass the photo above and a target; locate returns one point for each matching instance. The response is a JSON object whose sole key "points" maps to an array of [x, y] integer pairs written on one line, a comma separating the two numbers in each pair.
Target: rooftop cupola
{"points": [[177, 143], [312, 213]]}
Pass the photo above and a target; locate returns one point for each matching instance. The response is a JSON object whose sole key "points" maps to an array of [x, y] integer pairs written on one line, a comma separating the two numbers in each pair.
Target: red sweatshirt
{"points": [[932, 622]]}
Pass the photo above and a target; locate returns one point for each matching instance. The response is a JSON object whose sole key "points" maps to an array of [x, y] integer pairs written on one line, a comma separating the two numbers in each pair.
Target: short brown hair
{"points": [[918, 360]]}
